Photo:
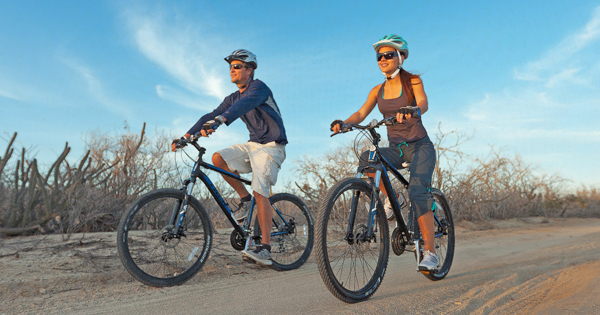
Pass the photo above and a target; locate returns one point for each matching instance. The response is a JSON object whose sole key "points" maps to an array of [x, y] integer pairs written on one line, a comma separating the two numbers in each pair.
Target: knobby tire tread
{"points": [[445, 268], [327, 274]]}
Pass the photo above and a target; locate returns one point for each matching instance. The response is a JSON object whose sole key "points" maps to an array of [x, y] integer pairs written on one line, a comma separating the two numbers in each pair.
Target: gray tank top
{"points": [[408, 131]]}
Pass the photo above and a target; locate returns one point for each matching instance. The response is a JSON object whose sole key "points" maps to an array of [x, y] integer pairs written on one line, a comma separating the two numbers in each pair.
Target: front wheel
{"points": [[150, 249], [292, 232], [351, 261], [444, 236]]}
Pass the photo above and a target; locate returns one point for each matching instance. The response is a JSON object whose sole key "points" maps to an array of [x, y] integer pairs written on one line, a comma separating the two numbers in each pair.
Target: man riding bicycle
{"points": [[262, 155]]}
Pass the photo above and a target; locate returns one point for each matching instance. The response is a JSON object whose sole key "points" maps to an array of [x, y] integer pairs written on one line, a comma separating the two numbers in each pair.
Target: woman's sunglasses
{"points": [[387, 55], [236, 66]]}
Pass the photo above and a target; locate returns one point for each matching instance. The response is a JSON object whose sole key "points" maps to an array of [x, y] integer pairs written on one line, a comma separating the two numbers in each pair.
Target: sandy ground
{"points": [[518, 266]]}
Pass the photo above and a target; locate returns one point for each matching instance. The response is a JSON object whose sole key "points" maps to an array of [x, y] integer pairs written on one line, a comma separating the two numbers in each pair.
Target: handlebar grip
{"points": [[211, 124]]}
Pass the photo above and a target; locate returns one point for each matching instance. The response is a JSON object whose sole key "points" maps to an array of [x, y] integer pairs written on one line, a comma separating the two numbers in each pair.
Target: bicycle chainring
{"points": [[398, 241], [238, 241]]}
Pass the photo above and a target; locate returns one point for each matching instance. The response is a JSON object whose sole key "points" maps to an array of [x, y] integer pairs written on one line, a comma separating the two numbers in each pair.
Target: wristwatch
{"points": [[220, 119]]}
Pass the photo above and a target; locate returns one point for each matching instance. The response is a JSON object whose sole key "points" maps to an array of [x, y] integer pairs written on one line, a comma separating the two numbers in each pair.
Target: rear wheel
{"points": [[292, 232], [351, 262], [444, 236]]}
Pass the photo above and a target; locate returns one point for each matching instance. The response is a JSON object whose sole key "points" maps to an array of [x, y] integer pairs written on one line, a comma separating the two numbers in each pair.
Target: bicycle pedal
{"points": [[426, 271], [248, 259]]}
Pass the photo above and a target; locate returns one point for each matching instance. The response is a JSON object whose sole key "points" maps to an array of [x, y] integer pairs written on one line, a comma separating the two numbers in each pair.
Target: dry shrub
{"points": [[89, 195], [317, 173], [500, 187]]}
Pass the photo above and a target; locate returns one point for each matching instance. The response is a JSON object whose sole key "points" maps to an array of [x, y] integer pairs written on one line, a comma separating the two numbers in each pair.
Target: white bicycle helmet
{"points": [[244, 56], [394, 41]]}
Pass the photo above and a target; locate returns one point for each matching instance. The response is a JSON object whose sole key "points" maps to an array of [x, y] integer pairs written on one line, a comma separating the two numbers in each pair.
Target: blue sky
{"points": [[522, 75]]}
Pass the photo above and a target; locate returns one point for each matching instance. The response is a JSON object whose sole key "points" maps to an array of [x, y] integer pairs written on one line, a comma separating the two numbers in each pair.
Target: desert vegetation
{"points": [[90, 194]]}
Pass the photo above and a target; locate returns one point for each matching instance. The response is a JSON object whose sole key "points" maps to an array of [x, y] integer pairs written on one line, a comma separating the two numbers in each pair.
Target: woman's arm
{"points": [[363, 112], [366, 109], [420, 95], [420, 98]]}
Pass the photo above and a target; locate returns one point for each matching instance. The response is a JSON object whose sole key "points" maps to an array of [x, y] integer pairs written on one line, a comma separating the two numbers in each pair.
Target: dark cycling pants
{"points": [[421, 156]]}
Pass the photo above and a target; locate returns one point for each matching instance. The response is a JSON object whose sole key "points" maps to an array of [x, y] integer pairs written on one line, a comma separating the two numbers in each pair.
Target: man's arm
{"points": [[255, 95], [218, 111]]}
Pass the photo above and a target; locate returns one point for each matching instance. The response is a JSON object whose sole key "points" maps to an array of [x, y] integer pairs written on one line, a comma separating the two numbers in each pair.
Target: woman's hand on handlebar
{"points": [[407, 113], [337, 125]]}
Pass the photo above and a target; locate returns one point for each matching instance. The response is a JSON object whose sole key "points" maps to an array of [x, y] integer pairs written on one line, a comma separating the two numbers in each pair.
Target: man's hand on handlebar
{"points": [[210, 126], [179, 143], [407, 113]]}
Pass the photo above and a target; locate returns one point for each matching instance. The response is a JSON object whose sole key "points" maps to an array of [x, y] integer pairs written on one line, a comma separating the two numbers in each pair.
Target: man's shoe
{"points": [[430, 261], [243, 207], [261, 255]]}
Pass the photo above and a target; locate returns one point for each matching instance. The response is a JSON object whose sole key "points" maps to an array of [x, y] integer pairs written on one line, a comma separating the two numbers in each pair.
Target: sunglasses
{"points": [[388, 55], [236, 66]]}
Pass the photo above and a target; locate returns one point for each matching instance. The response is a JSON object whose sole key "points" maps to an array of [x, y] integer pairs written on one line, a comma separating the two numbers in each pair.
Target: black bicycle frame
{"points": [[379, 164], [189, 183]]}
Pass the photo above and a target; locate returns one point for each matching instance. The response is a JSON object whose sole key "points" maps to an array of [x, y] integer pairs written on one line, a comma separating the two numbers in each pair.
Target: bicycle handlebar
{"points": [[372, 125], [193, 140]]}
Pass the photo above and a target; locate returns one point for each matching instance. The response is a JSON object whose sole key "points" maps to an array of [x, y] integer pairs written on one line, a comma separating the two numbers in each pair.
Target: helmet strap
{"points": [[397, 70], [248, 82], [393, 74]]}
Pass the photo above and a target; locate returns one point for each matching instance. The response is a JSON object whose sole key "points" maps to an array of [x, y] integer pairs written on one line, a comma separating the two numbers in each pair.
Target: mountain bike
{"points": [[166, 236], [352, 230]]}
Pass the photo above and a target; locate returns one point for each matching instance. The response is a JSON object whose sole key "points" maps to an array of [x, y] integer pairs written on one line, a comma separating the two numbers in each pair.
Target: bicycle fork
{"points": [[178, 214], [368, 235]]}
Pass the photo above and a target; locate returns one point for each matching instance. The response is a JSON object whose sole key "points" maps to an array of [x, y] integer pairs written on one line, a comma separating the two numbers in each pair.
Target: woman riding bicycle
{"points": [[402, 95]]}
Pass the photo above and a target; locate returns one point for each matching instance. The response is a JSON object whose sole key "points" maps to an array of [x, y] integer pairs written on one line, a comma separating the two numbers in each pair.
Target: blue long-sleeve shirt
{"points": [[258, 110]]}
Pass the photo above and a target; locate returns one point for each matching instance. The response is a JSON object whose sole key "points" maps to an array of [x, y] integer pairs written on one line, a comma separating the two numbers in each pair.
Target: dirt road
{"points": [[517, 268]]}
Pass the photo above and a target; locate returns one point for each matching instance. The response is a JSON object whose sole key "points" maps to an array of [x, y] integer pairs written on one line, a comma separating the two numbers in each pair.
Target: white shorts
{"points": [[262, 160]]}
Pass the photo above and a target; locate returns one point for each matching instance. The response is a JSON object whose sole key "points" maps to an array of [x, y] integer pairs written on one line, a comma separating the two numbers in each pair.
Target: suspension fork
{"points": [[180, 208], [372, 208], [373, 205]]}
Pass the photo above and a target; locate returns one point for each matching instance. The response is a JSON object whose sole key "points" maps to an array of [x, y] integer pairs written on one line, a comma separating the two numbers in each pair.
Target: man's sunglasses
{"points": [[388, 55], [236, 66]]}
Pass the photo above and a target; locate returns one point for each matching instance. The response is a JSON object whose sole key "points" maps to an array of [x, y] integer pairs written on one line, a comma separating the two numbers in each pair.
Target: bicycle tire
{"points": [[444, 244], [290, 250], [152, 260], [339, 260]]}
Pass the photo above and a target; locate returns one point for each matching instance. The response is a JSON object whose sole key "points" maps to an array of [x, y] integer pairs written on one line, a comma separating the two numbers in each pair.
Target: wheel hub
{"points": [[170, 239]]}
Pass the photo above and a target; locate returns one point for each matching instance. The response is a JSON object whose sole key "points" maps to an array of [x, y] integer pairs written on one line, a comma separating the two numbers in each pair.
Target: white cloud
{"points": [[182, 50], [170, 94], [563, 51], [552, 98], [10, 95], [96, 88], [565, 76]]}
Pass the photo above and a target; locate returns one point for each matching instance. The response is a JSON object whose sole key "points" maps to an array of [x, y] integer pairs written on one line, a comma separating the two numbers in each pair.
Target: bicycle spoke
{"points": [[351, 263]]}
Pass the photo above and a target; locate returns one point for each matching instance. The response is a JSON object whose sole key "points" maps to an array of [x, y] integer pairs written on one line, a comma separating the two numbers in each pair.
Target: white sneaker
{"points": [[387, 206], [430, 261], [261, 255], [242, 212]]}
